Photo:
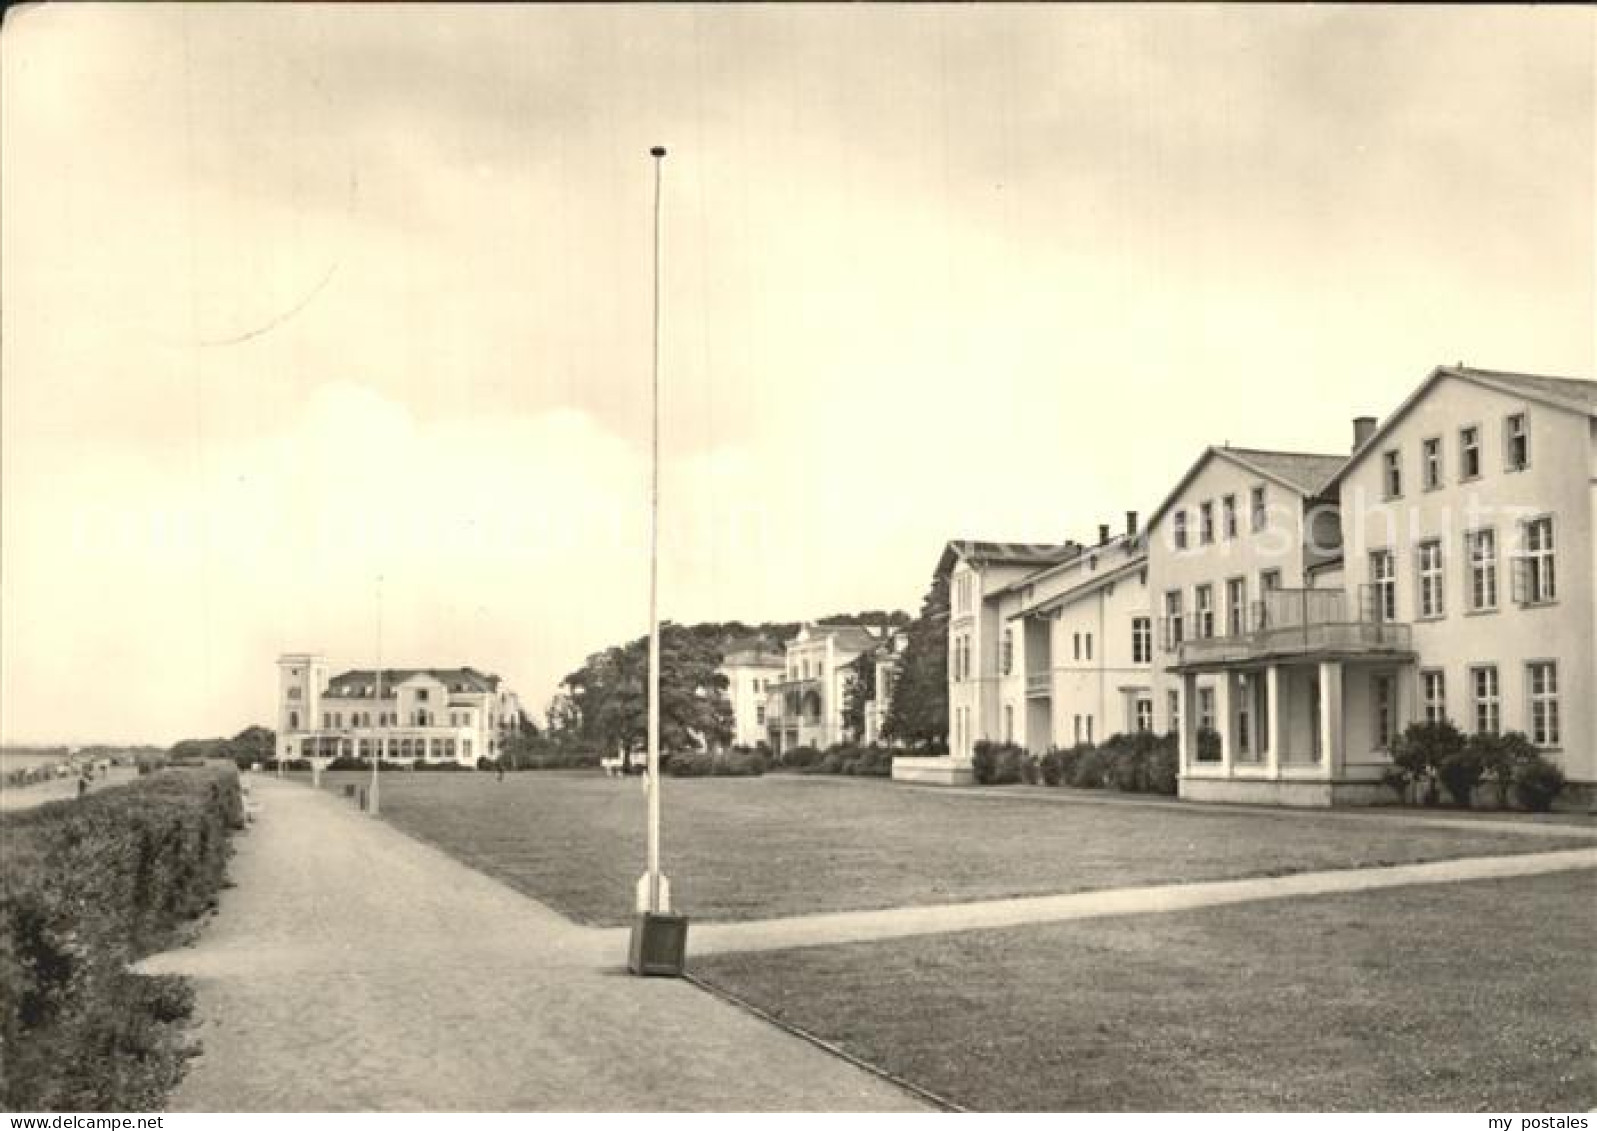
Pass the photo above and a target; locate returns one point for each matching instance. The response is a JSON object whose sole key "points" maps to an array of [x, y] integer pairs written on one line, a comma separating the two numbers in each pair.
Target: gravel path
{"points": [[353, 968]]}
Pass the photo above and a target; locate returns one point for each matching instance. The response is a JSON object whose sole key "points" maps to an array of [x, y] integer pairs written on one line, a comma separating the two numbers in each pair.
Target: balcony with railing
{"points": [[1288, 623], [1039, 685]]}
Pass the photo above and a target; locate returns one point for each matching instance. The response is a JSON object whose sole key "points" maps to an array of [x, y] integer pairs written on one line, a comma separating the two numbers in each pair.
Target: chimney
{"points": [[1363, 429], [1103, 533], [1131, 524]]}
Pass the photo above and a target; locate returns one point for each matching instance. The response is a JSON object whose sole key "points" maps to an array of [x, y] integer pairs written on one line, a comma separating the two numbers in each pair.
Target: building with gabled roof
{"points": [[426, 715]]}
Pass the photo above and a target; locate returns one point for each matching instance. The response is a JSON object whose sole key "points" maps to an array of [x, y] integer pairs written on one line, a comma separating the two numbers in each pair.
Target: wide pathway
{"points": [[830, 928], [354, 968]]}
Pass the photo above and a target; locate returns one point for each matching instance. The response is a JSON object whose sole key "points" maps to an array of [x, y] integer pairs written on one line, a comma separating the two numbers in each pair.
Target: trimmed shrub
{"points": [[1537, 783], [800, 757], [1089, 769], [89, 886], [1163, 769], [1461, 772], [1417, 757], [694, 764], [998, 763], [1501, 755]]}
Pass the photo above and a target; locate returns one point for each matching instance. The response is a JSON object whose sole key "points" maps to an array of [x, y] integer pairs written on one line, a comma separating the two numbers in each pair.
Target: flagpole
{"points": [[655, 902], [376, 752]]}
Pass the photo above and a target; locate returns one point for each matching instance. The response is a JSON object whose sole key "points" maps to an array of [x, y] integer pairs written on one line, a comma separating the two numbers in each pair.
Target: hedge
{"points": [[727, 765], [89, 886]]}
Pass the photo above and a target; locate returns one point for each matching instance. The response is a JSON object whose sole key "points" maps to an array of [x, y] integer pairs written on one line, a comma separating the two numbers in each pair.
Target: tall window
{"points": [[1203, 610], [1540, 583], [1383, 584], [1172, 710], [1179, 519], [1144, 715], [1174, 629], [293, 720], [1543, 675], [1205, 708], [1431, 455], [1481, 546], [1469, 453], [1236, 602], [1075, 646], [1486, 701], [1392, 473], [1141, 640], [1009, 722], [1006, 652], [1228, 516], [1206, 522], [1088, 642], [1383, 700], [1260, 516], [1516, 442], [1433, 695], [1244, 709], [1269, 580], [1430, 579]]}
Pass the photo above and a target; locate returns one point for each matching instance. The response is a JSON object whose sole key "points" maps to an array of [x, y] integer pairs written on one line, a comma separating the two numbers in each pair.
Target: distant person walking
{"points": [[83, 782], [500, 765]]}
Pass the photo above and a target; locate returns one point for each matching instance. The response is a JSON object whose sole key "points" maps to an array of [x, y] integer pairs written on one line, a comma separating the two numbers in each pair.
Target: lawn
{"points": [[764, 847], [1462, 997]]}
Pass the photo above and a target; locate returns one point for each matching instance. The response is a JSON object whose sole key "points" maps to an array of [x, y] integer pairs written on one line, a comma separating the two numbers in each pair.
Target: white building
{"points": [[887, 660], [804, 706], [749, 672], [399, 714]]}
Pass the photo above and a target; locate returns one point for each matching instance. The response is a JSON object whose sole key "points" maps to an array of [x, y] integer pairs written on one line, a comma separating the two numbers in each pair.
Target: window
{"points": [[1431, 458], [293, 693], [1009, 722], [1077, 722], [1203, 609], [1173, 710], [1539, 577], [421, 694], [1469, 453], [1383, 584], [1260, 516], [1481, 546], [1488, 706], [759, 714], [1430, 579], [1006, 652], [1088, 642], [1173, 627], [1543, 675], [327, 721], [1180, 521], [1392, 474], [1236, 603], [1206, 522], [293, 720], [1228, 516], [1516, 442], [1076, 645], [1383, 702], [1433, 695], [1141, 640], [1205, 708], [1089, 728], [1269, 580], [1144, 715]]}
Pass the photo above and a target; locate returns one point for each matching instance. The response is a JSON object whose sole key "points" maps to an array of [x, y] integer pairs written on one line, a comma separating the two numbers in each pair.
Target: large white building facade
{"points": [[804, 704], [750, 671], [1288, 614], [409, 714]]}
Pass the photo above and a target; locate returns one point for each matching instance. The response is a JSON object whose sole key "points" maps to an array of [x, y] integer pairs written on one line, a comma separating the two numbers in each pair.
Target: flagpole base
{"points": [[659, 947]]}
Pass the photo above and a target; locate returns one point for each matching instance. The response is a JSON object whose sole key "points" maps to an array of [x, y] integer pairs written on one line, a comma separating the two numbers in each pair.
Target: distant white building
{"points": [[749, 672], [399, 714], [804, 706], [887, 660]]}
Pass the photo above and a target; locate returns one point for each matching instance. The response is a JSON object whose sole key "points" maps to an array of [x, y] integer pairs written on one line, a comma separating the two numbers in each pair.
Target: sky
{"points": [[327, 328]]}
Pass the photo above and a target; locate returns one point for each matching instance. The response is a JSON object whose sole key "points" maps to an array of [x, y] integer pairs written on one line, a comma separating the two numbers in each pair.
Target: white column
{"points": [[1225, 720], [1189, 722], [1276, 727], [1331, 717]]}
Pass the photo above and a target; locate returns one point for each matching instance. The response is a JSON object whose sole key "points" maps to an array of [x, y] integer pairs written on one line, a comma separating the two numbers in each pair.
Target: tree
{"points": [[254, 744], [859, 689], [608, 695], [918, 714]]}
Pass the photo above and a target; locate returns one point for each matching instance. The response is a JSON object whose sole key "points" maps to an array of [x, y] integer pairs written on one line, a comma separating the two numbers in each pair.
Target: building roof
{"points": [[1573, 394], [1306, 473], [352, 684], [753, 657], [852, 636], [1089, 584], [1006, 553]]}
